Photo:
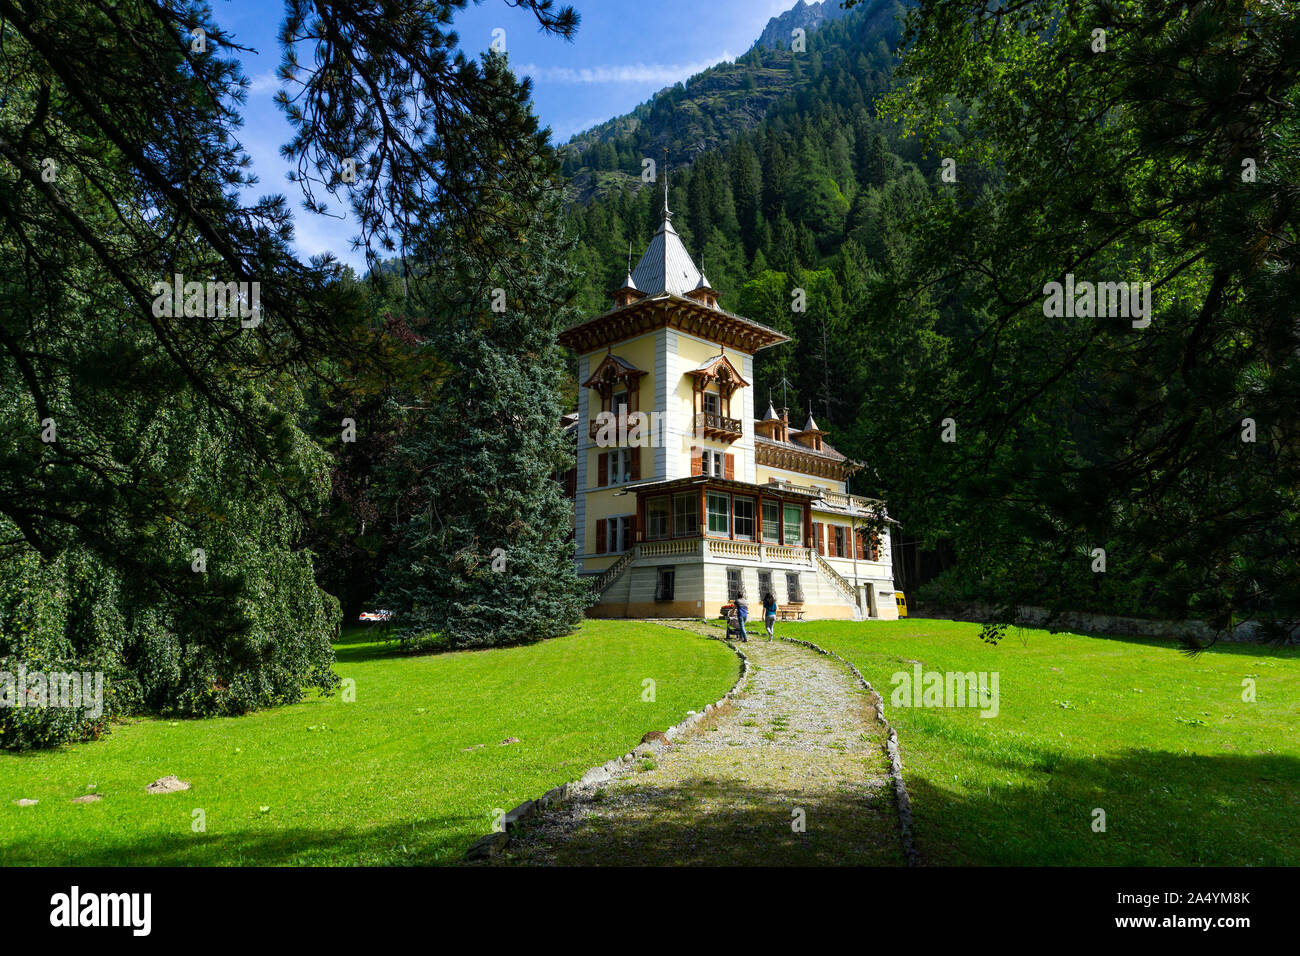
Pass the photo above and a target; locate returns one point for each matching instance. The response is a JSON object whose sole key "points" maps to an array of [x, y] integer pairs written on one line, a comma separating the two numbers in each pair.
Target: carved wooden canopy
{"points": [[611, 371], [720, 370]]}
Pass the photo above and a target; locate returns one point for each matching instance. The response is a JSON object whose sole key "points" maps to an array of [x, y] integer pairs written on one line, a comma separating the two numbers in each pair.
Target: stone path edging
{"points": [[493, 843], [902, 800]]}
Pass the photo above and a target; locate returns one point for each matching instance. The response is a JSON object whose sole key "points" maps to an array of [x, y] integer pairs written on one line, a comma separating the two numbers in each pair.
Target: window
{"points": [[712, 403], [765, 584], [719, 510], [793, 525], [620, 465], [772, 521], [686, 516], [667, 579], [744, 517], [618, 533], [818, 537], [620, 403], [657, 518], [840, 552], [714, 462], [735, 586], [793, 593]]}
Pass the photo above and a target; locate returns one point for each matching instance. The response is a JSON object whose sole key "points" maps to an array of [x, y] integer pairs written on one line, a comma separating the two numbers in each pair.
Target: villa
{"points": [[683, 499]]}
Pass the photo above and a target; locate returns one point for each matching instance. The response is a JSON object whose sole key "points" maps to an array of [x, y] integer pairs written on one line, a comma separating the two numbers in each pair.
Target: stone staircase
{"points": [[610, 574], [841, 583]]}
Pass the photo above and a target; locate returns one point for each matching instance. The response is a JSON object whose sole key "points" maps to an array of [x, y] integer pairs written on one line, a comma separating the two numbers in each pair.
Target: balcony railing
{"points": [[856, 504], [714, 425], [727, 549], [672, 546], [620, 425]]}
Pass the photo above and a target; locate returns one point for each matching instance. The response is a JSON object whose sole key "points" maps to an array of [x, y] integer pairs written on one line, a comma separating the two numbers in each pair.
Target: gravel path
{"points": [[798, 744]]}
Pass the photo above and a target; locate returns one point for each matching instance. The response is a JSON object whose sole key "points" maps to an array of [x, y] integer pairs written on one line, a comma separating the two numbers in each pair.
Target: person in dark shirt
{"points": [[769, 612]]}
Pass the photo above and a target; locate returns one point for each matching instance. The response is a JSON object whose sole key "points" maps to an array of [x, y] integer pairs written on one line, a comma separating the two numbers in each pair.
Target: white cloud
{"points": [[665, 73], [263, 82]]}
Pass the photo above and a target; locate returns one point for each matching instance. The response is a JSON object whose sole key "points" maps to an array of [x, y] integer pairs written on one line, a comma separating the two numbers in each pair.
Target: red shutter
{"points": [[602, 470], [600, 533], [822, 540], [862, 544], [729, 467], [817, 537], [697, 462], [636, 464], [875, 546]]}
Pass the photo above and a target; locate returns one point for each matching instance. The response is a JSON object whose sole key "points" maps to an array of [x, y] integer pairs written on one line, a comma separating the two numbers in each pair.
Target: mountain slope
{"points": [[804, 16], [713, 107]]}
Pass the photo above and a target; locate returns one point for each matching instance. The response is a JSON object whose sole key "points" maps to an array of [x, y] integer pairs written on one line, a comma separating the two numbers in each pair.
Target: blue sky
{"points": [[624, 52]]}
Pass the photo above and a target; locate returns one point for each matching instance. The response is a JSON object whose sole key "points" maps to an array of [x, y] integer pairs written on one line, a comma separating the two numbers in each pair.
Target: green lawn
{"points": [[1185, 770], [387, 779]]}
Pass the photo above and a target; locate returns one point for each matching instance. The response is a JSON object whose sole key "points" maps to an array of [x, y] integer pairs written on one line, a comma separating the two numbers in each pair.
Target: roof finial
{"points": [[667, 213], [629, 257]]}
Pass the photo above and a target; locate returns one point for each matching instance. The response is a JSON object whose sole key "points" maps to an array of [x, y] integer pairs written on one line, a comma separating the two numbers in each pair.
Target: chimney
{"points": [[783, 430]]}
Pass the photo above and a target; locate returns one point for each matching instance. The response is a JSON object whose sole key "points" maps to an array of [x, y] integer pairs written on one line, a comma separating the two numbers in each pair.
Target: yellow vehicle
{"points": [[901, 599]]}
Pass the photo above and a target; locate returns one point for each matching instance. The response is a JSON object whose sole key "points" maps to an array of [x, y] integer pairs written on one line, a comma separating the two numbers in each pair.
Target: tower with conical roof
{"points": [[682, 498]]}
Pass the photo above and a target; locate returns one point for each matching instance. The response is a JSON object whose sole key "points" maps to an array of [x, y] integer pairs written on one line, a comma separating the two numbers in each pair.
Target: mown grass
{"points": [[387, 779], [1187, 772]]}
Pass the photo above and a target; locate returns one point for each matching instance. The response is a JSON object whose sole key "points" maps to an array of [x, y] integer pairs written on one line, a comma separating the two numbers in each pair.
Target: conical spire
{"points": [[665, 265], [667, 212]]}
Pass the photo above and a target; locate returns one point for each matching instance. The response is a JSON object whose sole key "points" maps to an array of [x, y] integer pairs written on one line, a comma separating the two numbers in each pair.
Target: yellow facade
{"points": [[606, 502]]}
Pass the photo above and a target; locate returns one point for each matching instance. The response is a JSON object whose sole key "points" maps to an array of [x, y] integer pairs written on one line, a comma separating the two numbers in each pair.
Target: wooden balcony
{"points": [[622, 425], [718, 427], [849, 504]]}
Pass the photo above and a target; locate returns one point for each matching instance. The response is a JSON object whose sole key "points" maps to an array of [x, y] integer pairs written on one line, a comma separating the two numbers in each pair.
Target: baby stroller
{"points": [[734, 629]]}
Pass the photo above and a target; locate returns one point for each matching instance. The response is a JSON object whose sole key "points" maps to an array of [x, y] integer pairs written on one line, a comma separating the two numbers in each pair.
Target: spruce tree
{"points": [[489, 559]]}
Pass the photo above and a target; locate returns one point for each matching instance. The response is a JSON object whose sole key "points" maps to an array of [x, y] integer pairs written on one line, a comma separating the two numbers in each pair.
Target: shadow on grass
{"points": [[715, 822], [1162, 809], [1016, 634], [437, 840], [359, 653], [370, 642]]}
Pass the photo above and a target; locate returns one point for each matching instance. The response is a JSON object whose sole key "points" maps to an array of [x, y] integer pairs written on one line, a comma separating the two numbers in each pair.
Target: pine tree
{"points": [[489, 559]]}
